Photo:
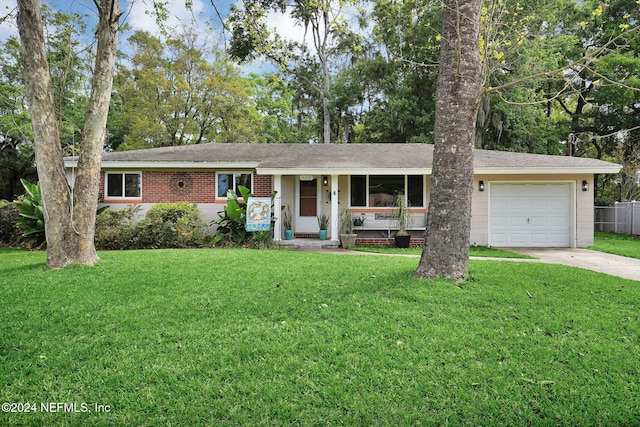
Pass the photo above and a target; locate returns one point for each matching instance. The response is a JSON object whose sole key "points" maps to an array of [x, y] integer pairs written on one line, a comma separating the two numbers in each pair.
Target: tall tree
{"points": [[182, 91], [68, 69], [446, 247], [69, 216], [400, 71], [331, 39]]}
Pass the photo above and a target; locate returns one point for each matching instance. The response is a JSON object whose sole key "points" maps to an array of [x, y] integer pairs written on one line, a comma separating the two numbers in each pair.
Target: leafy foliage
{"points": [[231, 222], [182, 92], [115, 228], [31, 220], [9, 232], [167, 225], [171, 225]]}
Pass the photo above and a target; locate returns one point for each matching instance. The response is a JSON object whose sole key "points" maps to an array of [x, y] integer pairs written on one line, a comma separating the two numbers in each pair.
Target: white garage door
{"points": [[530, 215]]}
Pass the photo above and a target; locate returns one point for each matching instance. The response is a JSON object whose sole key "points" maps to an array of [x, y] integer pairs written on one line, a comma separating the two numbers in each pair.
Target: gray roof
{"points": [[341, 158]]}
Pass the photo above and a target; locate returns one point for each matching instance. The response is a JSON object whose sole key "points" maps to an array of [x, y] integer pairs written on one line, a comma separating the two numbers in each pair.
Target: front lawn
{"points": [[474, 251], [617, 244], [248, 337]]}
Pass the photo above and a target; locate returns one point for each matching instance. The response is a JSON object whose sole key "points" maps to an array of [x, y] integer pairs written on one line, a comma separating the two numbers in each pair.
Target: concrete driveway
{"points": [[614, 265]]}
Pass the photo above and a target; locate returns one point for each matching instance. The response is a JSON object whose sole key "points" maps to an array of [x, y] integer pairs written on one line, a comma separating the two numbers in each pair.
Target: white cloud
{"points": [[139, 15], [287, 27]]}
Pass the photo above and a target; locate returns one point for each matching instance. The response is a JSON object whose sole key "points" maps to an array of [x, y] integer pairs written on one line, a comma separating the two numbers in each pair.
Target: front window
{"points": [[231, 180], [382, 190], [123, 185]]}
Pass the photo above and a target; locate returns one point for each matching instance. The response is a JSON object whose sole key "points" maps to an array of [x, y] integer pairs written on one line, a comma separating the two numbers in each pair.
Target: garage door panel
{"points": [[539, 238], [539, 221], [539, 204], [517, 221], [499, 221], [559, 221], [530, 215]]}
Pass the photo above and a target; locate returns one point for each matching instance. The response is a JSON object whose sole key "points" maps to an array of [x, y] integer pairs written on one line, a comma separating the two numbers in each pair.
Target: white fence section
{"points": [[623, 218]]}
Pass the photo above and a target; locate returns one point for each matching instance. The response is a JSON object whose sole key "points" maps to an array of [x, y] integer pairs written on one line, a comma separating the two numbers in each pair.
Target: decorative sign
{"points": [[259, 214]]}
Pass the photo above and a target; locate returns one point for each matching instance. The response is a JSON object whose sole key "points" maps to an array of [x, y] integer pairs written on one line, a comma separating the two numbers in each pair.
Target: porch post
{"points": [[277, 211], [335, 213]]}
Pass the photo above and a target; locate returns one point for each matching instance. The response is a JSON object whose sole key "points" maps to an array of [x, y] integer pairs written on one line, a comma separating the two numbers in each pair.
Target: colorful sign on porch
{"points": [[258, 214]]}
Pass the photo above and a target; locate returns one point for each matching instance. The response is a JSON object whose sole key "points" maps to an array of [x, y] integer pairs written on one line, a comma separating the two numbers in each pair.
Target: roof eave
{"points": [[342, 171], [557, 170], [146, 164]]}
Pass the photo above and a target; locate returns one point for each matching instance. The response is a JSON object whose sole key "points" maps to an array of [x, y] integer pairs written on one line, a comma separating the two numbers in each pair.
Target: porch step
{"points": [[309, 244]]}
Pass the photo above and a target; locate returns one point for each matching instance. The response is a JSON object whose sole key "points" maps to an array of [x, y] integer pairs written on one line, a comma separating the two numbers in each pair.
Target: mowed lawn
{"points": [[274, 337]]}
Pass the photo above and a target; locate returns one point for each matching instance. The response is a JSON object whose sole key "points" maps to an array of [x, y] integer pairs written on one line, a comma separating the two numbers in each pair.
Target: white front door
{"points": [[308, 204], [530, 215]]}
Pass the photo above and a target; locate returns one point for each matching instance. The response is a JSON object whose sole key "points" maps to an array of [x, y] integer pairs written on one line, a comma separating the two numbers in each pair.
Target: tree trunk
{"points": [[69, 224], [53, 182], [446, 247], [86, 188]]}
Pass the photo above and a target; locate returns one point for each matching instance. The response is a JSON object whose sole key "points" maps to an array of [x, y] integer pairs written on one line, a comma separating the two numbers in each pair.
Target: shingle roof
{"points": [[338, 157]]}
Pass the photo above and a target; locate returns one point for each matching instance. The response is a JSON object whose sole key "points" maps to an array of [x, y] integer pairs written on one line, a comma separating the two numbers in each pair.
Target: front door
{"points": [[308, 195]]}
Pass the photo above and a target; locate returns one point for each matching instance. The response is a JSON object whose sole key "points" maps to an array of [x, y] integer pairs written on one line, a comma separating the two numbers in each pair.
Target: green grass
{"points": [[618, 244], [247, 337], [475, 251]]}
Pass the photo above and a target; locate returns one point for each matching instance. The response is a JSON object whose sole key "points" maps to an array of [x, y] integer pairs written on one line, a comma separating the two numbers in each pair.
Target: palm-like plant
{"points": [[31, 220]]}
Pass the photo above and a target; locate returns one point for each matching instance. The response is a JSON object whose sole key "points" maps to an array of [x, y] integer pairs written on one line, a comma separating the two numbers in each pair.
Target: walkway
{"points": [[614, 265]]}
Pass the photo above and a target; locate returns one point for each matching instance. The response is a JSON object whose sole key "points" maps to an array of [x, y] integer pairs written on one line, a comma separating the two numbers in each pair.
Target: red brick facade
{"points": [[387, 242], [193, 187], [262, 185]]}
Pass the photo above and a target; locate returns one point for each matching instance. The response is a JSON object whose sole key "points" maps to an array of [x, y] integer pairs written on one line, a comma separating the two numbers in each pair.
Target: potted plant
{"points": [[286, 223], [323, 223], [347, 236], [401, 213]]}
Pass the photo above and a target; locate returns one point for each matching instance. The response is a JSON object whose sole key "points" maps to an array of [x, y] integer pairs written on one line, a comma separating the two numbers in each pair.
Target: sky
{"points": [[202, 15]]}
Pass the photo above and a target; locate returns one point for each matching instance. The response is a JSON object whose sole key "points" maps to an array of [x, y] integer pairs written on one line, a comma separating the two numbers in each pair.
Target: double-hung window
{"points": [[123, 185], [226, 181], [382, 190]]}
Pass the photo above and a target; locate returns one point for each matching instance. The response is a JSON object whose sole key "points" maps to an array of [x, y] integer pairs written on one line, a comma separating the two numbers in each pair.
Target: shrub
{"points": [[115, 228], [171, 225], [166, 225], [9, 232]]}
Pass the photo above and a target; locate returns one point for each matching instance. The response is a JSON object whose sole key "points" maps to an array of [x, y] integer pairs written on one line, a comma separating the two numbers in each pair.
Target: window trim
{"points": [[121, 173], [233, 185], [406, 190]]}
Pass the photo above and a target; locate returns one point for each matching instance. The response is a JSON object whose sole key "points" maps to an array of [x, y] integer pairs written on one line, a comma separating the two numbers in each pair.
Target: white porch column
{"points": [[335, 213], [277, 208]]}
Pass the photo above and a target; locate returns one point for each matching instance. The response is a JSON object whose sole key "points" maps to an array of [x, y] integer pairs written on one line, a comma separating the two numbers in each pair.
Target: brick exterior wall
{"points": [[193, 187], [159, 186], [262, 185], [387, 242], [170, 187]]}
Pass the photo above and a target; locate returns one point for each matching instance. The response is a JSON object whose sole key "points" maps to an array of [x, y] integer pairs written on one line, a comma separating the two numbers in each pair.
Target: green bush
{"points": [[115, 229], [171, 225], [9, 232], [167, 225]]}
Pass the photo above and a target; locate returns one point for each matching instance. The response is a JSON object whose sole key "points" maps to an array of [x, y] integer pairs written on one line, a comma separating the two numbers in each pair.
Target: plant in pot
{"points": [[286, 223], [402, 214], [347, 235], [323, 223]]}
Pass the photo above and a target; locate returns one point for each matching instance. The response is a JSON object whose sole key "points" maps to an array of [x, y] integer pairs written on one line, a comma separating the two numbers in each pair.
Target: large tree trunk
{"points": [[86, 188], [446, 246], [69, 223], [53, 182]]}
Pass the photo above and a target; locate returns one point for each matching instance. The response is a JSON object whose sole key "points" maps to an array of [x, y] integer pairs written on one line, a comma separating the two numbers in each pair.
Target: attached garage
{"points": [[531, 214]]}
